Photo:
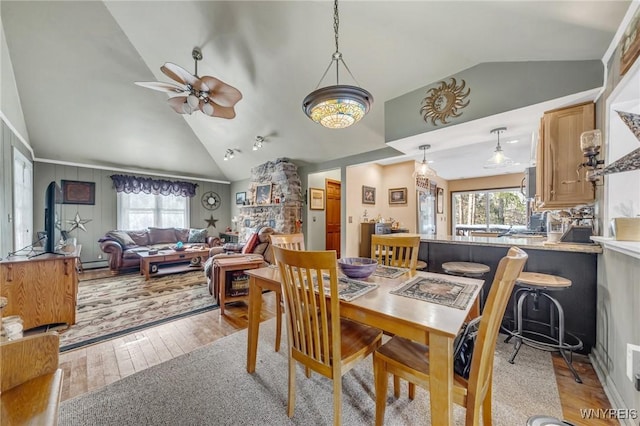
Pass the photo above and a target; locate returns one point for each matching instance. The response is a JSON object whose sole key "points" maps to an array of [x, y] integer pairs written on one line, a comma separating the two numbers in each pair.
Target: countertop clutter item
{"points": [[626, 228], [11, 328], [357, 267]]}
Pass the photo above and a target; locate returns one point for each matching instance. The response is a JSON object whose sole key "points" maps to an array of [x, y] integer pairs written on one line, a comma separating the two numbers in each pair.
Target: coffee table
{"points": [[170, 261]]}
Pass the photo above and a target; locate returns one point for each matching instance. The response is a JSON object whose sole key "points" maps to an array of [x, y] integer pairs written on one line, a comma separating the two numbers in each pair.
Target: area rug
{"points": [[110, 307], [211, 386]]}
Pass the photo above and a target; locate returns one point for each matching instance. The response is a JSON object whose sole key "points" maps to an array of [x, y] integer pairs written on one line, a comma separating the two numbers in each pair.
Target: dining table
{"points": [[426, 322]]}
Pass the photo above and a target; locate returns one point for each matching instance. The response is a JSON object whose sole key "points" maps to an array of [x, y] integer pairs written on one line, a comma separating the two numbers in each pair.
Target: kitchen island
{"points": [[576, 262]]}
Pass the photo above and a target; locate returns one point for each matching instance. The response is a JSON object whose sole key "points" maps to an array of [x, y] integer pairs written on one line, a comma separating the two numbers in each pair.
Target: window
{"points": [[489, 210], [139, 211], [22, 200]]}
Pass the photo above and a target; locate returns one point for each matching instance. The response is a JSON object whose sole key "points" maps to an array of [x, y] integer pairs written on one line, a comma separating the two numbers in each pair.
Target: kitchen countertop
{"points": [[536, 243]]}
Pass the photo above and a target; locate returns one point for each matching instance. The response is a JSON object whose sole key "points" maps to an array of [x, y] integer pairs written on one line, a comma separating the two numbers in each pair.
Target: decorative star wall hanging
{"points": [[211, 221], [631, 161], [78, 222]]}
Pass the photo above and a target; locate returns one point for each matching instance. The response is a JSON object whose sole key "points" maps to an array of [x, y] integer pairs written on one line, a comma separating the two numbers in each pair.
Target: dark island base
{"points": [[578, 301]]}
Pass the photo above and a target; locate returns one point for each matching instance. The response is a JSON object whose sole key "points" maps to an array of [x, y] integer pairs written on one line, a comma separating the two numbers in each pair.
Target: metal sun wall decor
{"points": [[444, 101]]}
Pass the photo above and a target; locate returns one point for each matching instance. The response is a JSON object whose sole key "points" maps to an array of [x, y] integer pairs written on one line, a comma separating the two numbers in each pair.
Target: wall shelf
{"points": [[630, 248]]}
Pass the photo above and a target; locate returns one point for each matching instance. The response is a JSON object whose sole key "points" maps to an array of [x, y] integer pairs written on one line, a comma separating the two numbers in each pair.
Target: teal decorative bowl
{"points": [[357, 267]]}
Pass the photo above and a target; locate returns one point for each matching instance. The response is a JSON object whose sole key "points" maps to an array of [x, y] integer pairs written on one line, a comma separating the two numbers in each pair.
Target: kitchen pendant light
{"points": [[338, 106], [498, 159], [424, 171]]}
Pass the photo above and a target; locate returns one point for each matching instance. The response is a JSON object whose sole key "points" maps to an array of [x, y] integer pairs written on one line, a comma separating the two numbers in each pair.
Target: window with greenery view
{"points": [[140, 211], [489, 210]]}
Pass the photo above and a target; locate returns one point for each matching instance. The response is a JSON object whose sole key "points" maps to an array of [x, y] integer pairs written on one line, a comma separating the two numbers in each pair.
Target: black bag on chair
{"points": [[463, 347]]}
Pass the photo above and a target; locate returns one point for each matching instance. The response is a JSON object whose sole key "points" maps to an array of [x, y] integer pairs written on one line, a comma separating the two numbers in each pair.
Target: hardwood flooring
{"points": [[92, 367]]}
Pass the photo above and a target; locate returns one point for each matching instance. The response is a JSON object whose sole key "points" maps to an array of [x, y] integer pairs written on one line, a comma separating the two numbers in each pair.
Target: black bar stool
{"points": [[470, 270], [537, 286]]}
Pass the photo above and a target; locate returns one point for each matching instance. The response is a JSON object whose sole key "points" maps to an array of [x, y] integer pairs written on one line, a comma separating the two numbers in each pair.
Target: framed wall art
{"points": [[316, 196], [630, 44], [263, 194], [76, 192], [241, 198], [368, 195], [398, 196], [440, 200]]}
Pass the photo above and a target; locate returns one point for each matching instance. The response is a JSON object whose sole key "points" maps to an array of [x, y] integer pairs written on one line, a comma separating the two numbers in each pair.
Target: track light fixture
{"points": [[229, 154], [258, 143]]}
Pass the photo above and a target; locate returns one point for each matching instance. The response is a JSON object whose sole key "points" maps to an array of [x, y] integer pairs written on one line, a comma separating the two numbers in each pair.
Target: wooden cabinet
{"points": [[42, 290], [559, 182], [366, 230]]}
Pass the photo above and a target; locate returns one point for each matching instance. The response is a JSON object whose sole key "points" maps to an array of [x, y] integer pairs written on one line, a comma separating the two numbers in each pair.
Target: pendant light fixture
{"points": [[424, 171], [339, 106], [498, 159]]}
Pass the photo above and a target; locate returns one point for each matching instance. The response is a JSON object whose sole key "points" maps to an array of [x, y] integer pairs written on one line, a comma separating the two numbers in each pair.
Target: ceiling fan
{"points": [[213, 97]]}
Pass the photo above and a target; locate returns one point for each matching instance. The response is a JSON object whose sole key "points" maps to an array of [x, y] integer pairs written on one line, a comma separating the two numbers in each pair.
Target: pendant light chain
{"points": [[337, 106], [336, 23]]}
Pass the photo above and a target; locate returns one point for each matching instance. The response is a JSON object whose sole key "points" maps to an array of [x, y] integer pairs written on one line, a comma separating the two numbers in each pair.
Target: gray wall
{"points": [[317, 219], [103, 213], [496, 87], [618, 296]]}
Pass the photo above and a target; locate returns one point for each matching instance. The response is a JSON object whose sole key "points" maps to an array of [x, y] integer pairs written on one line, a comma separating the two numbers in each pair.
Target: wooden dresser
{"points": [[42, 290]]}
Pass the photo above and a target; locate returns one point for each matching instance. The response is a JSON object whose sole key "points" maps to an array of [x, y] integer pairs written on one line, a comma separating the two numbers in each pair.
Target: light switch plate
{"points": [[633, 361]]}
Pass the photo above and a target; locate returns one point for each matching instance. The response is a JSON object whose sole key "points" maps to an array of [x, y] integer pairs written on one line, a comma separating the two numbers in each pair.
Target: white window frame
{"points": [[123, 211], [23, 234]]}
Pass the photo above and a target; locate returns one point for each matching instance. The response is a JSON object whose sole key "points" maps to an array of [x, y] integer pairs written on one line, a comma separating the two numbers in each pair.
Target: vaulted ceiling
{"points": [[75, 63]]}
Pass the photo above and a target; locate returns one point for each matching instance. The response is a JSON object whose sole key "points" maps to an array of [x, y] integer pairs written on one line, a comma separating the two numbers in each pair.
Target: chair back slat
{"points": [[311, 310], [288, 241], [395, 250], [481, 372]]}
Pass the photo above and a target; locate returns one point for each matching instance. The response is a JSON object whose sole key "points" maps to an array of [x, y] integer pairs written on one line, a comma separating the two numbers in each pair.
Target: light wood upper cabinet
{"points": [[559, 182]]}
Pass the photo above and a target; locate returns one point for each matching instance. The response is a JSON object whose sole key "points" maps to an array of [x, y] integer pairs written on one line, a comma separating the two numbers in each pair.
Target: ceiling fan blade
{"points": [[220, 92], [160, 86], [177, 103], [179, 74], [218, 110]]}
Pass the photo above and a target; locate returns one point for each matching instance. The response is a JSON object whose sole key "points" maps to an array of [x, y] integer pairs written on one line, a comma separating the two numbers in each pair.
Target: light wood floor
{"points": [[92, 367]]}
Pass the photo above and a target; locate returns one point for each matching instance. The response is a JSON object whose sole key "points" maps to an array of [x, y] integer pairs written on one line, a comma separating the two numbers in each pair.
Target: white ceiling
{"points": [[75, 64]]}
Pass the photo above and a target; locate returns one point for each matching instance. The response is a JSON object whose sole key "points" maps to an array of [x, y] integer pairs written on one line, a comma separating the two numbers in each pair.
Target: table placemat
{"points": [[348, 288], [437, 290], [389, 271]]}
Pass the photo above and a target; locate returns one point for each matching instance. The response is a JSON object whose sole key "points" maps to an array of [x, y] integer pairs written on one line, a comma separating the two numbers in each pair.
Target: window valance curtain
{"points": [[136, 184]]}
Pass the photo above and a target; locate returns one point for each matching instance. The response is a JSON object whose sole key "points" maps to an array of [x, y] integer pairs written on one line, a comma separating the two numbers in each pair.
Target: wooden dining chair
{"points": [[395, 250], [291, 242], [318, 338], [409, 360]]}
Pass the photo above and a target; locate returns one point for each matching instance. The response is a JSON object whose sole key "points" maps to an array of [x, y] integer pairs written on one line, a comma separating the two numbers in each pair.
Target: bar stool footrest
{"points": [[536, 340]]}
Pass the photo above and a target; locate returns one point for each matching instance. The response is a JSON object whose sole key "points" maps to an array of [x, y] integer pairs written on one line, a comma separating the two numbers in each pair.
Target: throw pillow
{"points": [[197, 236], [250, 245], [122, 237], [162, 235]]}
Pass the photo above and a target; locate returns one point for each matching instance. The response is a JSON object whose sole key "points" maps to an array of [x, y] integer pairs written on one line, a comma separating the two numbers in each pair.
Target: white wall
{"points": [[9, 100]]}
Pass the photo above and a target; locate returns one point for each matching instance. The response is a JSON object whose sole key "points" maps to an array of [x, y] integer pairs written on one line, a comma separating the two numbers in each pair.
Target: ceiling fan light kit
{"points": [[338, 106], [211, 96], [498, 159]]}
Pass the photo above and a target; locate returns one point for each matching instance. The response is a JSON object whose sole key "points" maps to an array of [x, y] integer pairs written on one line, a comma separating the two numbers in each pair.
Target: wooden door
{"points": [[332, 238]]}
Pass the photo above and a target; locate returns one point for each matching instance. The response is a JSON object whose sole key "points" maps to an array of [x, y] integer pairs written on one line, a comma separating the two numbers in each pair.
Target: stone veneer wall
{"points": [[285, 186]]}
